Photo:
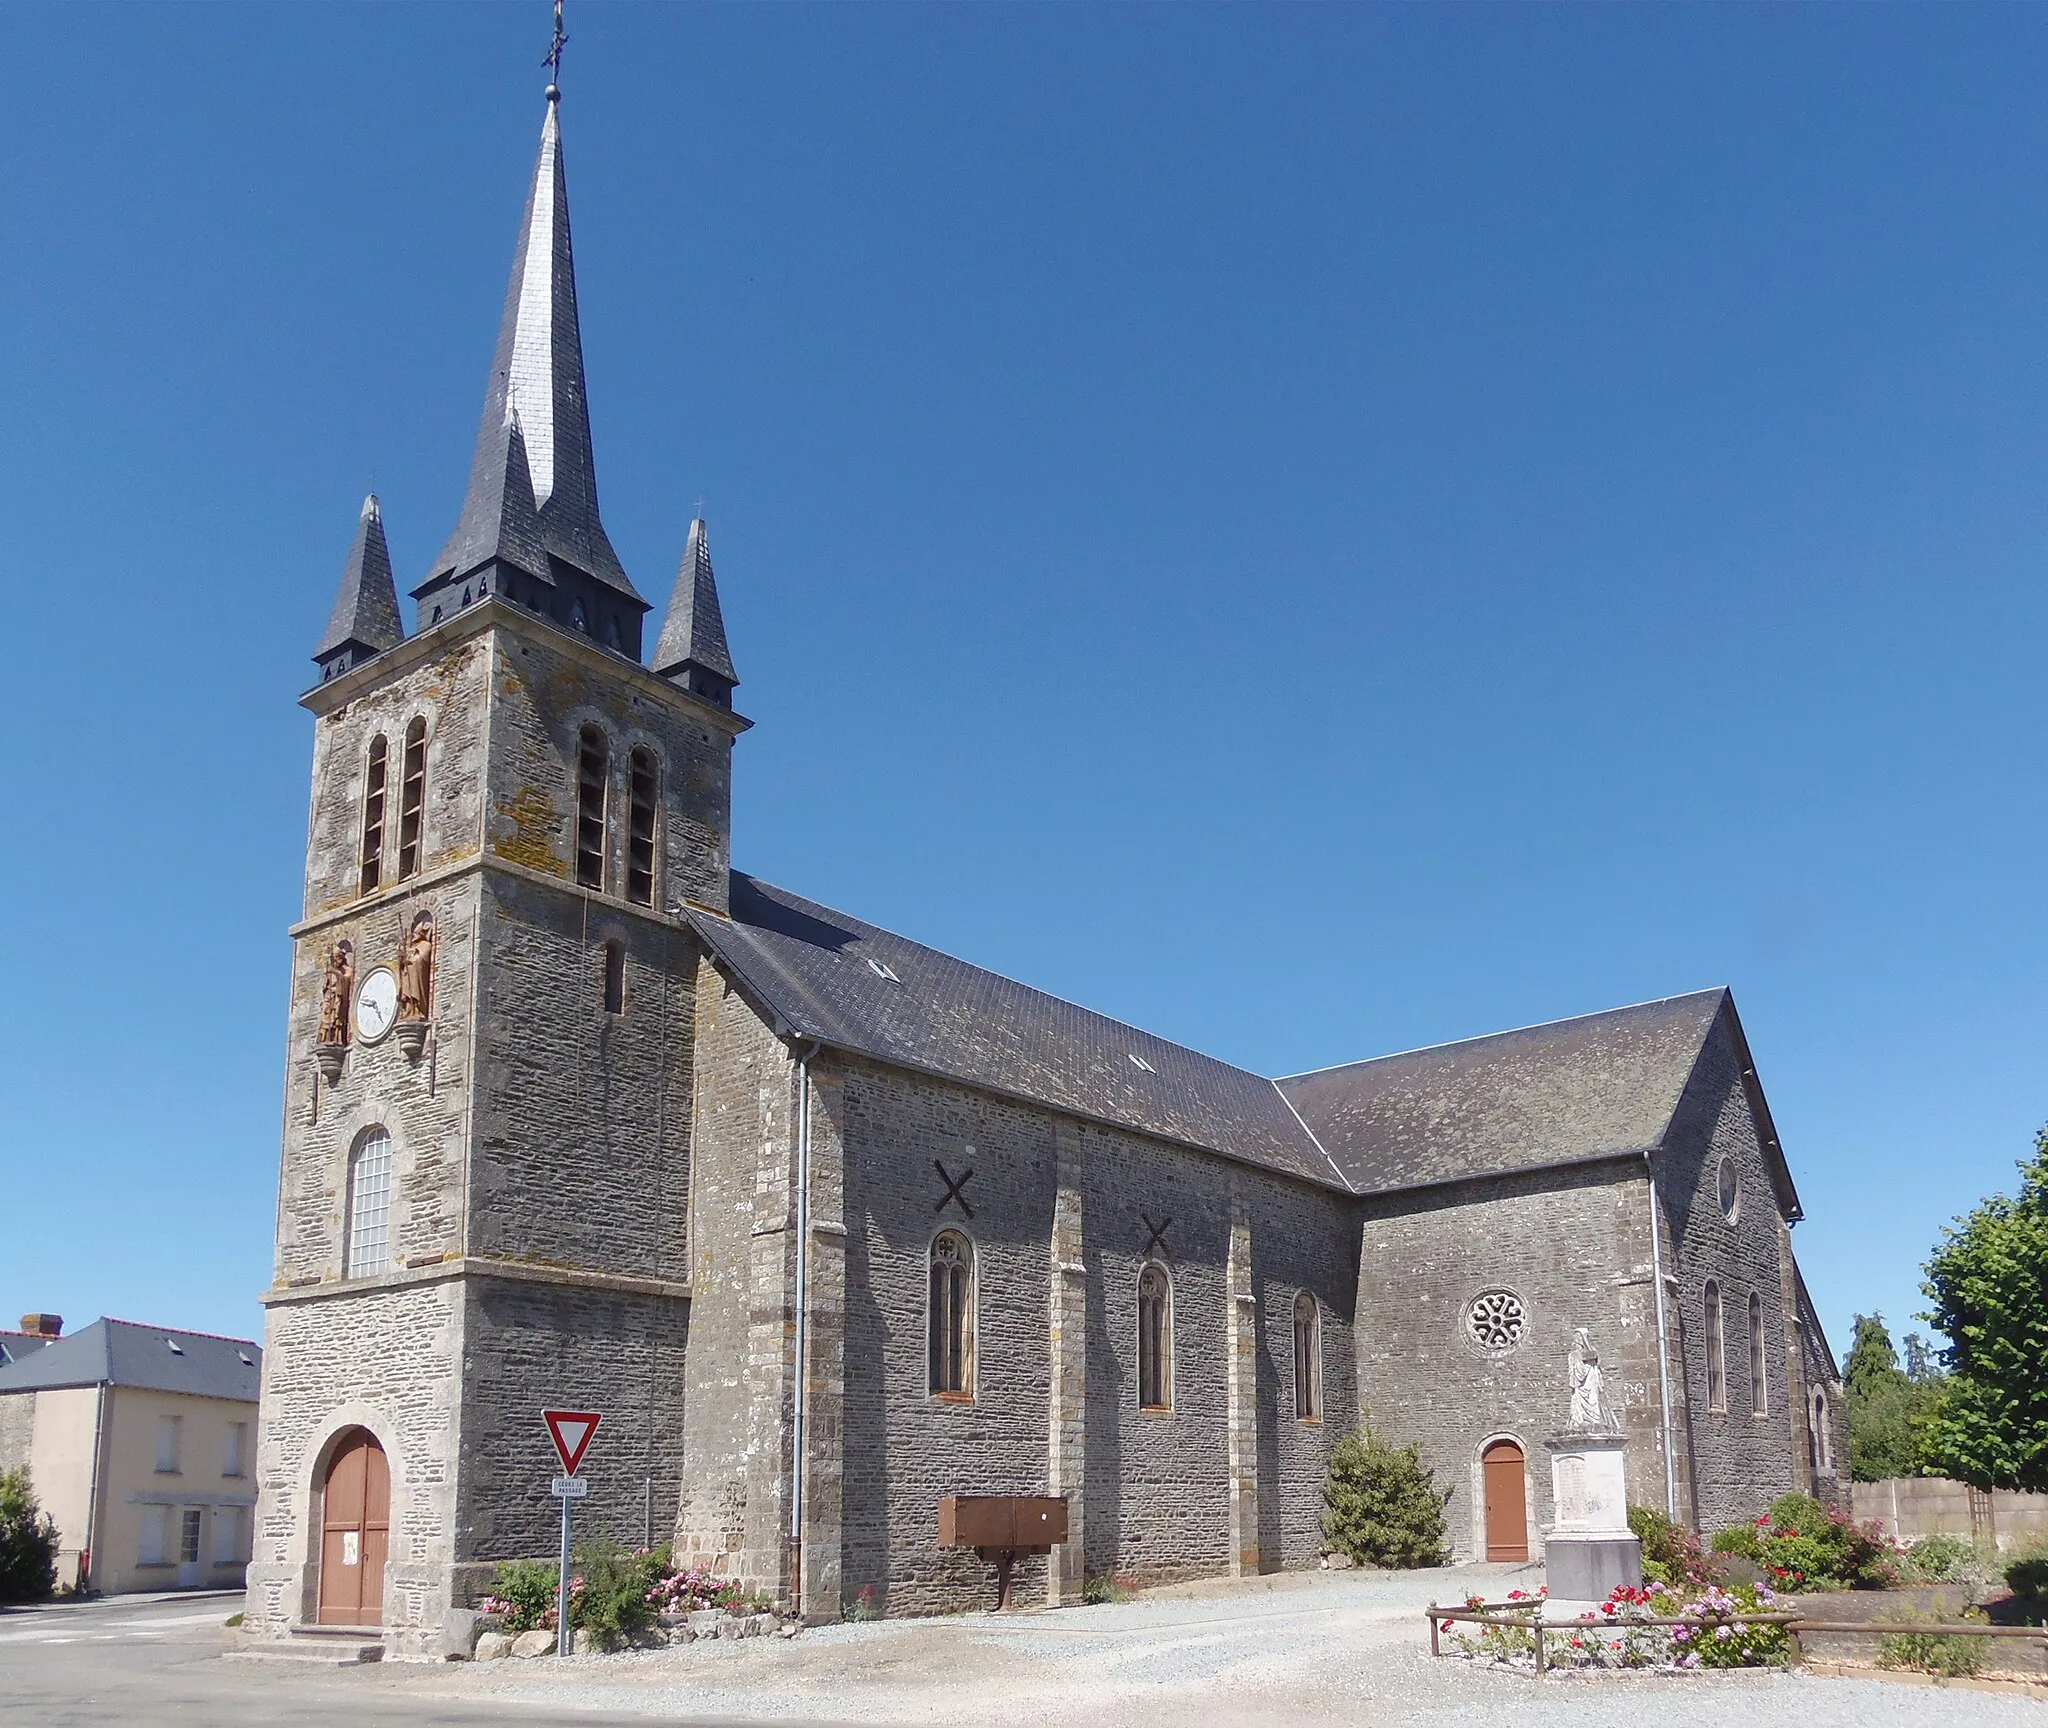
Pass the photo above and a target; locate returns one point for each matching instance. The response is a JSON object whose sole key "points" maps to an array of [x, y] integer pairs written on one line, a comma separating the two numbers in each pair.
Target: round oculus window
{"points": [[1496, 1321], [1728, 1188]]}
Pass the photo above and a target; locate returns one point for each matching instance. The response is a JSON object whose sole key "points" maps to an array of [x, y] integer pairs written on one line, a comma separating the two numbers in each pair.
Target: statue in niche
{"points": [[337, 991], [1591, 1413], [416, 970]]}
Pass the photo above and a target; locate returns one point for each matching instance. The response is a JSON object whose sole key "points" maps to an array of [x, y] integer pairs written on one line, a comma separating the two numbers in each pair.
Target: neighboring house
{"points": [[141, 1444], [829, 1225], [18, 1415]]}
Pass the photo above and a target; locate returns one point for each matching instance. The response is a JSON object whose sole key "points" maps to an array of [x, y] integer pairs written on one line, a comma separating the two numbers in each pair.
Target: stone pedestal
{"points": [[1590, 1551]]}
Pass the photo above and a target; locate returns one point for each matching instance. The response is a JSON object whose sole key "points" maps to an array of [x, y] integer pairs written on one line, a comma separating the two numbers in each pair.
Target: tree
{"points": [[28, 1542], [1988, 1281], [1888, 1408], [1385, 1506]]}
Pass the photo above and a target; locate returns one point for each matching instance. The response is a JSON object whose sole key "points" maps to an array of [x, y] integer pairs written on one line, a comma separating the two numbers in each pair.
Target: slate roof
{"points": [[693, 633], [533, 480], [123, 1353], [828, 977], [1543, 1095], [366, 605], [15, 1345]]}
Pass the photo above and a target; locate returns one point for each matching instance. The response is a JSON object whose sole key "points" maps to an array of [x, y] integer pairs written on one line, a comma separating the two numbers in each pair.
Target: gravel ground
{"points": [[1299, 1648]]}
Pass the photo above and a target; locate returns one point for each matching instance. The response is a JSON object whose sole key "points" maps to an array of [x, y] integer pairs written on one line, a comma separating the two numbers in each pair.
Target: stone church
{"points": [[830, 1225]]}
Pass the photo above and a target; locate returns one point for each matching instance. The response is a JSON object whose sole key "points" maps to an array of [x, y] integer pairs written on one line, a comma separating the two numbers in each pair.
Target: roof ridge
{"points": [[1508, 1032]]}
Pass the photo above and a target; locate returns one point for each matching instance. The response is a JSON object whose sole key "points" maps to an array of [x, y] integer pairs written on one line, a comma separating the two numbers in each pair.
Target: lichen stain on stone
{"points": [[531, 813]]}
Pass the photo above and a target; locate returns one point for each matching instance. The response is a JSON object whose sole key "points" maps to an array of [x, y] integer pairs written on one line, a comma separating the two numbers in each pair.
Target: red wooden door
{"points": [[1507, 1502], [355, 1533]]}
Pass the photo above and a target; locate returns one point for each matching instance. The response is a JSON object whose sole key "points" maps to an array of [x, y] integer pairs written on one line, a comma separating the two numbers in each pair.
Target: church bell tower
{"points": [[485, 1171]]}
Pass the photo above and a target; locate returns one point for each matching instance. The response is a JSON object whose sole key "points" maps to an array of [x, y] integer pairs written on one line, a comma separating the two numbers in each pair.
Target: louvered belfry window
{"points": [[373, 783], [373, 814], [952, 1315], [593, 769], [412, 799], [644, 786]]}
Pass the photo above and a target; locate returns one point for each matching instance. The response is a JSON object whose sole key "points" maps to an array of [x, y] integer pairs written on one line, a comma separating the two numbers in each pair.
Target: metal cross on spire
{"points": [[552, 60]]}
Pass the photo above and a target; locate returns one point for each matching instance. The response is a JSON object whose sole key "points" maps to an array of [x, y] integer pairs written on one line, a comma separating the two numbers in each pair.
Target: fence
{"points": [[1528, 1617]]}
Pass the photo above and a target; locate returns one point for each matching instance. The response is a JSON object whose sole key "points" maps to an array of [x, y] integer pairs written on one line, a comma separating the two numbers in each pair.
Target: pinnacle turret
{"points": [[529, 529], [692, 651], [365, 619]]}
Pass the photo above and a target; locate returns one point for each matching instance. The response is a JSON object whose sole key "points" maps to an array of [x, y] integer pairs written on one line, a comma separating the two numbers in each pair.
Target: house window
{"points": [[1308, 1359], [369, 1205], [169, 1435], [153, 1547], [373, 813], [644, 785], [1155, 1338], [227, 1535], [1717, 1356], [952, 1315], [188, 1534], [593, 768], [615, 977], [1759, 1390], [412, 798], [233, 1459]]}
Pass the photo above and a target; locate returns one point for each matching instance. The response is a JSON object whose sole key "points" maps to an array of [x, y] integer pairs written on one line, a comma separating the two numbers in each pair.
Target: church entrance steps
{"points": [[318, 1647]]}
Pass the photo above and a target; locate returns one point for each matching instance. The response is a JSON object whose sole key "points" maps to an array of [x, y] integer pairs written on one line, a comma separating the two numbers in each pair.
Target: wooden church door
{"points": [[1507, 1502], [355, 1533]]}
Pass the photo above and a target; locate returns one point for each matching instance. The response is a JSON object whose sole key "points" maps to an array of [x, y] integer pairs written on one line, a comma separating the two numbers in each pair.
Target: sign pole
{"points": [[562, 1588], [571, 1431]]}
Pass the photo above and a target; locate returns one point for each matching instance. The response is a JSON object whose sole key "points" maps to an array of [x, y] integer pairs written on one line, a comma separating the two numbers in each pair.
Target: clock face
{"points": [[376, 1004]]}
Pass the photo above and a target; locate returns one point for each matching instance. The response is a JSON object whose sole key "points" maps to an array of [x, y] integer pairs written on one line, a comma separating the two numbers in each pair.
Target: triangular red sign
{"points": [[571, 1431]]}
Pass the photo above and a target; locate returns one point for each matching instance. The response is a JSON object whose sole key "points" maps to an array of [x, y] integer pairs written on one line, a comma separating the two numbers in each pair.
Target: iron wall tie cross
{"points": [[953, 1189], [1157, 1240]]}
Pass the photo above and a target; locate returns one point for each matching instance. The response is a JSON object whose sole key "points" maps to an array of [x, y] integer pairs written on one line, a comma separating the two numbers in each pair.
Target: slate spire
{"points": [[365, 619], [529, 528], [692, 651]]}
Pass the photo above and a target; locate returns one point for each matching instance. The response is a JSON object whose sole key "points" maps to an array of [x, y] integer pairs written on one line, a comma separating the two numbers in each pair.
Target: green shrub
{"points": [[1956, 1655], [1108, 1587], [1936, 1559], [616, 1581], [28, 1542], [1385, 1508], [523, 1591], [1805, 1544], [1671, 1553], [2028, 1576]]}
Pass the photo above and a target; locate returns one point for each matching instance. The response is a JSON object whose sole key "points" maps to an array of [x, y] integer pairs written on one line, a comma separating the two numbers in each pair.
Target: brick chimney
{"points": [[43, 1325]]}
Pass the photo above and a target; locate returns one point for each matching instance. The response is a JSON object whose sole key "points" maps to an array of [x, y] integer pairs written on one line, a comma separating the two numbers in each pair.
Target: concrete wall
{"points": [[1914, 1506], [60, 1463]]}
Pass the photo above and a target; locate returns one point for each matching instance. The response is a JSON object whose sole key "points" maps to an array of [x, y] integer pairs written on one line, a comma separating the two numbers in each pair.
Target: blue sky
{"points": [[1315, 530]]}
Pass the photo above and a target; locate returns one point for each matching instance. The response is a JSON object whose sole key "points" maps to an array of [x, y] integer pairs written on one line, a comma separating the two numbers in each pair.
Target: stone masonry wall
{"points": [[384, 1358], [534, 1346], [546, 688], [1574, 1245], [1741, 1461]]}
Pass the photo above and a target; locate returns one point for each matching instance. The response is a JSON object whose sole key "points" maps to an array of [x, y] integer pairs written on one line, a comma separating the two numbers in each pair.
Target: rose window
{"points": [[1496, 1320]]}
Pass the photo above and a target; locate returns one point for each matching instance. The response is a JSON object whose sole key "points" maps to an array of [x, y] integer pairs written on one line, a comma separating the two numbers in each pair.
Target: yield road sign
{"points": [[571, 1431]]}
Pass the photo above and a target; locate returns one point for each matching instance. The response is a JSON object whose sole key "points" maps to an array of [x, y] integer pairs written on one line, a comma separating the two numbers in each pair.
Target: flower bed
{"points": [[1655, 1627], [617, 1595]]}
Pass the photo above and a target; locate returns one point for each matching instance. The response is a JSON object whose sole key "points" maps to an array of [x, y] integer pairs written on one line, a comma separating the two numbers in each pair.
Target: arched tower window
{"points": [[1155, 1338], [373, 813], [1717, 1355], [952, 1315], [593, 770], [368, 1248], [643, 781], [1308, 1359], [615, 977], [412, 798], [1759, 1388]]}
